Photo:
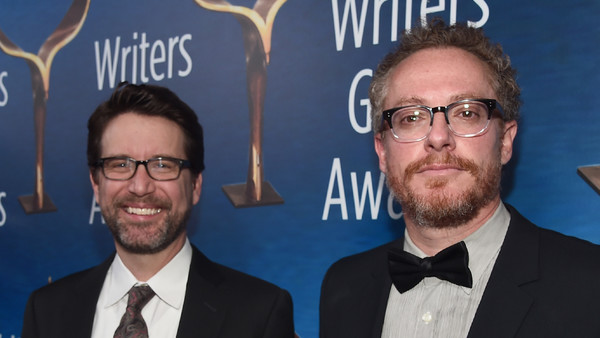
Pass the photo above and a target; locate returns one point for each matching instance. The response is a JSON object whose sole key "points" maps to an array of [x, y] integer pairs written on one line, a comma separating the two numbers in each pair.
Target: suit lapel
{"points": [[365, 295], [85, 298], [204, 307], [504, 304], [381, 284]]}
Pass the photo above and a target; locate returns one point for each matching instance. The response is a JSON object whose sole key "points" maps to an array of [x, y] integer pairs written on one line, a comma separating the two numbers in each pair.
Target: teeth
{"points": [[143, 211]]}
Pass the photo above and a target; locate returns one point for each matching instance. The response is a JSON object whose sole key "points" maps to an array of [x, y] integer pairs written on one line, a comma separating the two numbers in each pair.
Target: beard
{"points": [[155, 241], [439, 209]]}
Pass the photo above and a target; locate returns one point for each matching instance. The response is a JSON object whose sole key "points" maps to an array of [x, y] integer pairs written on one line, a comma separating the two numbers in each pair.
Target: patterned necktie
{"points": [[132, 324], [451, 264]]}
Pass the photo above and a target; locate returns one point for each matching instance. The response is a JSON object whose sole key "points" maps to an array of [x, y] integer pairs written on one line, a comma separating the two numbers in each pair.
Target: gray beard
{"points": [[173, 226]]}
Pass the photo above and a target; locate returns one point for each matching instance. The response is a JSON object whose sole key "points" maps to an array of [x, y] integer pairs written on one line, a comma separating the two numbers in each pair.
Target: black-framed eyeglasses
{"points": [[465, 118], [123, 168]]}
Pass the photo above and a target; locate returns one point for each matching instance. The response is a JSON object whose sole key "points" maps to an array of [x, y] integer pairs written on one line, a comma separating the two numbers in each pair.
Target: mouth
{"points": [[439, 168], [143, 211]]}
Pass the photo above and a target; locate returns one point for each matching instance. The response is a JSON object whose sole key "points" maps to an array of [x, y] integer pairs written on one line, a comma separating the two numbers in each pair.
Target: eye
{"points": [[164, 164], [409, 117], [117, 163], [469, 112]]}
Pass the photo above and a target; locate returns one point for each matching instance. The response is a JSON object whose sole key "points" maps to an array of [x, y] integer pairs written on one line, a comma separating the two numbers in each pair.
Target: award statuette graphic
{"points": [[591, 174], [39, 66], [257, 25]]}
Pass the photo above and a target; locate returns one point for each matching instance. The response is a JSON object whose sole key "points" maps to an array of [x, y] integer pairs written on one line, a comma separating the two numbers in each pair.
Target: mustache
{"points": [[446, 158], [150, 200]]}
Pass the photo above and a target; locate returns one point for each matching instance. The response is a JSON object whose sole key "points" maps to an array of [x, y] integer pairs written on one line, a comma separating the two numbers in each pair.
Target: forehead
{"points": [[141, 137], [439, 76]]}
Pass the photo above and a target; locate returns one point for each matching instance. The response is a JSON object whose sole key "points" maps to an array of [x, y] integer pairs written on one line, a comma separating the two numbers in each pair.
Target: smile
{"points": [[143, 211]]}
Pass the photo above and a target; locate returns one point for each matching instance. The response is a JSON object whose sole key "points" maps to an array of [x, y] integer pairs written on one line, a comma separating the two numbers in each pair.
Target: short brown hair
{"points": [[150, 100], [439, 35]]}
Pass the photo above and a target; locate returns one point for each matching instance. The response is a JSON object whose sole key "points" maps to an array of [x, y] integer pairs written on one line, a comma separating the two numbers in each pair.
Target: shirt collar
{"points": [[168, 284], [483, 245]]}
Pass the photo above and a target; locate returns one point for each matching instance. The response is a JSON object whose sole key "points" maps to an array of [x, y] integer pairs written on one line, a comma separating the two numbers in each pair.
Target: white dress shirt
{"points": [[163, 311], [438, 308]]}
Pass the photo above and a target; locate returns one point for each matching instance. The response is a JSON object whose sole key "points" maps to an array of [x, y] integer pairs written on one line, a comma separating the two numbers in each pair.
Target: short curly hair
{"points": [[439, 35]]}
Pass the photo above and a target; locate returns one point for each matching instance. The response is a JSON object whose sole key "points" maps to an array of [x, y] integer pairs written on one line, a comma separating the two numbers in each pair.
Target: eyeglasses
{"points": [[122, 168], [465, 118]]}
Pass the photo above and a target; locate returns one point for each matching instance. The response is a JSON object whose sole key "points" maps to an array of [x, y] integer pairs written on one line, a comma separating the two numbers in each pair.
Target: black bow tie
{"points": [[451, 264]]}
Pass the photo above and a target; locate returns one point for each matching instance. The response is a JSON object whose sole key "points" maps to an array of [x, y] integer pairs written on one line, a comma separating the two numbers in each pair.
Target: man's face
{"points": [[145, 215], [444, 180]]}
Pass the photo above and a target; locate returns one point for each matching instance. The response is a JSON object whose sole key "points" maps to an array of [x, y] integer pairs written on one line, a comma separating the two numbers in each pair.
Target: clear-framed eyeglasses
{"points": [[123, 168], [465, 118]]}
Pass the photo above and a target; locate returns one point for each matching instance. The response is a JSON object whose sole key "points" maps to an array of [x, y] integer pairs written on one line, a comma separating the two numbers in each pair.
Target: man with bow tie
{"points": [[445, 106]]}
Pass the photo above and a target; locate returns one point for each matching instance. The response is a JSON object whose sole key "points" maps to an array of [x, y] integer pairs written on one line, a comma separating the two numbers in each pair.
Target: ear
{"points": [[379, 140], [94, 172], [197, 188], [507, 139]]}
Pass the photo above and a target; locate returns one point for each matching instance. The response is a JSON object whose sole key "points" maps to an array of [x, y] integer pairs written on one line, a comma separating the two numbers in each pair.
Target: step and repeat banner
{"points": [[323, 196]]}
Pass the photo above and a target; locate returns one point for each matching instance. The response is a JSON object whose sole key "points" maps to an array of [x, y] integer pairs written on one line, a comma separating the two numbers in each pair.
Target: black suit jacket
{"points": [[544, 284], [219, 302]]}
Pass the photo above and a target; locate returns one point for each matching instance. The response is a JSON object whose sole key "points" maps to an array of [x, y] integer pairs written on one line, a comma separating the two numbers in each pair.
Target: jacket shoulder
{"points": [[363, 260], [569, 253], [244, 282], [51, 308], [68, 285], [243, 305], [557, 249]]}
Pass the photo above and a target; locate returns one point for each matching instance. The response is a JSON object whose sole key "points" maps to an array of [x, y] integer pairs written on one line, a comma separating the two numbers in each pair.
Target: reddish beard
{"points": [[438, 209]]}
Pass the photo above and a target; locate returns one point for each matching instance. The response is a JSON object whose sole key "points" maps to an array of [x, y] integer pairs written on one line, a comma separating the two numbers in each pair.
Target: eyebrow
{"points": [[417, 100], [154, 156]]}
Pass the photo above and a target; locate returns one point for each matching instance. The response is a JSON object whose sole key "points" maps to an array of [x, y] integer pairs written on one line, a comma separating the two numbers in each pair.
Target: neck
{"points": [[144, 266], [433, 240]]}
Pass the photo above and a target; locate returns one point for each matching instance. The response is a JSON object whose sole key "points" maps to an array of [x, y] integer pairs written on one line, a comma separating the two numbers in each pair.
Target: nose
{"points": [[141, 183], [440, 137]]}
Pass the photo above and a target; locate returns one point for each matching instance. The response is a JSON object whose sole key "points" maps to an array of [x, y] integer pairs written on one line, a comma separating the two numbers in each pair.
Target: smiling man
{"points": [[444, 108], [146, 157]]}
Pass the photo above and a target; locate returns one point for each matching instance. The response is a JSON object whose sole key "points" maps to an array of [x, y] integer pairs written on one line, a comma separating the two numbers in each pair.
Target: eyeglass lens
{"points": [[464, 118], [123, 168]]}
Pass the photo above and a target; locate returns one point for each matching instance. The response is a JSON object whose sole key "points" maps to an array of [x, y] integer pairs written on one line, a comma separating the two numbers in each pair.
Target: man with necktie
{"points": [[146, 157], [445, 106]]}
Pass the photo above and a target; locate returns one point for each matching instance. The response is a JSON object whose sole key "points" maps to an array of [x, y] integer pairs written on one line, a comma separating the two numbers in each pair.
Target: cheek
{"points": [[180, 194], [105, 194], [402, 155], [496, 153], [396, 166], [493, 155], [107, 191]]}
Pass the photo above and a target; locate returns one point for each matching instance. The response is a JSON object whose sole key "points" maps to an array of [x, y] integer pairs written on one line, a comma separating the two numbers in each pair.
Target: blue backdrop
{"points": [[318, 151]]}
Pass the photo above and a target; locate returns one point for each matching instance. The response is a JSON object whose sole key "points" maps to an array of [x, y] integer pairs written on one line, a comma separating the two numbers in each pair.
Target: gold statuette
{"points": [[257, 25], [39, 66], [591, 174]]}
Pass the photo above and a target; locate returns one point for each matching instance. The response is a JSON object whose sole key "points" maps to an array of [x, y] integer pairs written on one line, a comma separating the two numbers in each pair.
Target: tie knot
{"points": [[426, 264], [139, 296]]}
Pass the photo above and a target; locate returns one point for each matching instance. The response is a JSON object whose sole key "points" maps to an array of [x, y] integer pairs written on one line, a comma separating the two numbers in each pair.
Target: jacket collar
{"points": [[205, 306], [517, 265], [205, 300], [86, 294]]}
